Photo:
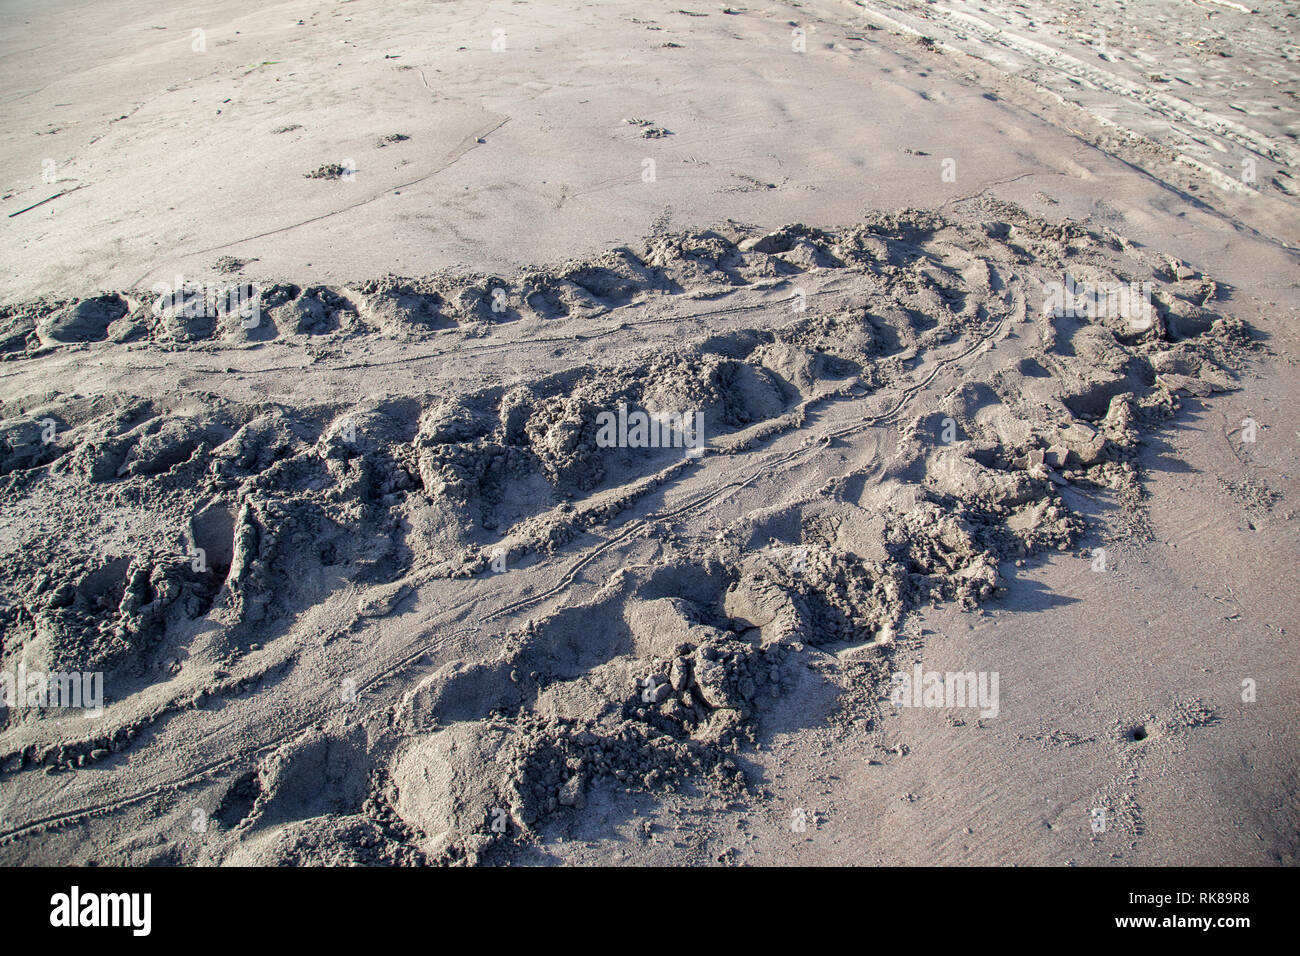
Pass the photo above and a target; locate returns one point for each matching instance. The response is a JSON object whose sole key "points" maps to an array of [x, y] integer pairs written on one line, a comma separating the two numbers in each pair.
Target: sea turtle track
{"points": [[413, 503]]}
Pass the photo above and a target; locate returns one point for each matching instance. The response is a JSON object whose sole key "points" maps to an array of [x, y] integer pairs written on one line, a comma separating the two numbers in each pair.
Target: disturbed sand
{"points": [[361, 578]]}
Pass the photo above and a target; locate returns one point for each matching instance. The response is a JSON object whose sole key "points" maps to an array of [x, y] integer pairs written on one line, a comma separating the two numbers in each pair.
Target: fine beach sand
{"points": [[436, 620]]}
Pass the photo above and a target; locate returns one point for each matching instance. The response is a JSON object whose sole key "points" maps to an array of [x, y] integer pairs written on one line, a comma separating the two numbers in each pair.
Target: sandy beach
{"points": [[819, 433]]}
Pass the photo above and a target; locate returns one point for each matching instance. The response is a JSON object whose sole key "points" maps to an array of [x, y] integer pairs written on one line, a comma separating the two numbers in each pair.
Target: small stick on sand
{"points": [[46, 199]]}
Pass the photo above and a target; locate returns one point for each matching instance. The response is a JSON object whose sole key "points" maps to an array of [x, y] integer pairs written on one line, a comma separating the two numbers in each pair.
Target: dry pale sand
{"points": [[437, 620]]}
